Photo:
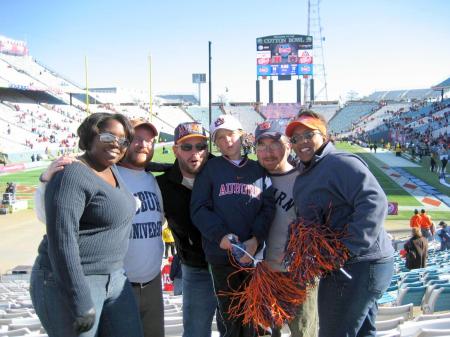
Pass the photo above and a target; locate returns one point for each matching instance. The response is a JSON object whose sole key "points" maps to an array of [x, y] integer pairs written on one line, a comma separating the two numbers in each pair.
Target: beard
{"points": [[186, 167], [138, 159]]}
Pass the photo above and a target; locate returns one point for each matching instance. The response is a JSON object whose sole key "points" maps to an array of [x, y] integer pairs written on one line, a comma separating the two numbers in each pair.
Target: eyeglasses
{"points": [[305, 136], [186, 147], [109, 138], [148, 143], [275, 146]]}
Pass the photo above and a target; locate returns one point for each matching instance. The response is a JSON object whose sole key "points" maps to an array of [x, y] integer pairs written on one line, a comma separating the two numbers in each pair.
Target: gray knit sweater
{"points": [[88, 224]]}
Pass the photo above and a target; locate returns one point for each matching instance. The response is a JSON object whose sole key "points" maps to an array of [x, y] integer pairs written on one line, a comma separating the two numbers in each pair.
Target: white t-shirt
{"points": [[145, 251]]}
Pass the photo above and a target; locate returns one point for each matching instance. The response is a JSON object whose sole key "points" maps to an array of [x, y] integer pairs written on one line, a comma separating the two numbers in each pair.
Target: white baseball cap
{"points": [[226, 122]]}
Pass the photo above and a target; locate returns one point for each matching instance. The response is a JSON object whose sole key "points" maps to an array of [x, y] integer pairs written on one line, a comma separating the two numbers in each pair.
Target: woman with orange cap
{"points": [[337, 189]]}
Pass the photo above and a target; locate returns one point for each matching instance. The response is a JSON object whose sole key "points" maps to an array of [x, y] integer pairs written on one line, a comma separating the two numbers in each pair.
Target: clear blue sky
{"points": [[370, 44]]}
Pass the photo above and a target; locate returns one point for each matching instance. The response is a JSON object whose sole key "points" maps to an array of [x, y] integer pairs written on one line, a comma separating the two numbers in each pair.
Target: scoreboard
{"points": [[284, 55]]}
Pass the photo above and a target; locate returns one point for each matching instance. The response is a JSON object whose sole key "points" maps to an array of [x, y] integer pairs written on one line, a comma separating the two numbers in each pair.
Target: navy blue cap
{"points": [[269, 128]]}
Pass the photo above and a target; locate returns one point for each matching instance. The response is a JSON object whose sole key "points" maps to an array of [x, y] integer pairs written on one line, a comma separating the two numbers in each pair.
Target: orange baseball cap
{"points": [[308, 121]]}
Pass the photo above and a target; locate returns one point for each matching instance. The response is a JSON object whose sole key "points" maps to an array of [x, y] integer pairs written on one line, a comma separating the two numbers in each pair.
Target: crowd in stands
{"points": [[422, 130]]}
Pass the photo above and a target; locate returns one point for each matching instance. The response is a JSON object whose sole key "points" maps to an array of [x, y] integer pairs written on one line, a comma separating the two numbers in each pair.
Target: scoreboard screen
{"points": [[284, 55]]}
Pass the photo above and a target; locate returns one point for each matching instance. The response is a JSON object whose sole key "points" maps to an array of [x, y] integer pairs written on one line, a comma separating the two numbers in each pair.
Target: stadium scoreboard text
{"points": [[284, 55]]}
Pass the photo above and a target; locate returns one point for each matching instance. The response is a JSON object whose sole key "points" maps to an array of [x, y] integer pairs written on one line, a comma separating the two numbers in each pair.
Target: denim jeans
{"points": [[199, 301], [348, 307], [114, 303]]}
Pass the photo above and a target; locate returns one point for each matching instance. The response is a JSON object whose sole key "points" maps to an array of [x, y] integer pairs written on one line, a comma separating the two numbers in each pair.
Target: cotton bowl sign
{"points": [[283, 55]]}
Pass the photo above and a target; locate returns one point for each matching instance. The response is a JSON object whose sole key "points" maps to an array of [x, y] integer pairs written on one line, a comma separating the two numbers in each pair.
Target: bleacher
{"points": [[404, 95], [201, 114], [343, 119], [247, 115], [417, 299]]}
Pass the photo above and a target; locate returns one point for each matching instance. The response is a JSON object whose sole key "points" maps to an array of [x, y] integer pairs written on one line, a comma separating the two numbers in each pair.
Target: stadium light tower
{"points": [[320, 76]]}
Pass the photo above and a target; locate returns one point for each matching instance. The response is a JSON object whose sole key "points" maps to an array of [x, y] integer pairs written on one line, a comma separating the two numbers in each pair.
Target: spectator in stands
{"points": [[273, 149], [443, 156], [426, 225], [398, 150], [169, 242], [88, 216], [142, 262], [33, 158], [415, 219], [444, 235], [416, 250], [224, 214], [350, 199], [199, 302], [433, 158]]}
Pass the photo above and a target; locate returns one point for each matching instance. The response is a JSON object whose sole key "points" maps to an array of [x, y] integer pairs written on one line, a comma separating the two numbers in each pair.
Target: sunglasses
{"points": [[186, 147], [109, 138], [306, 136]]}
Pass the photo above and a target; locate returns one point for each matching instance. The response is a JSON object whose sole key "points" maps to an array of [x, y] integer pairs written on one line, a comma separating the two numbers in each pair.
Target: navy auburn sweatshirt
{"points": [[229, 198]]}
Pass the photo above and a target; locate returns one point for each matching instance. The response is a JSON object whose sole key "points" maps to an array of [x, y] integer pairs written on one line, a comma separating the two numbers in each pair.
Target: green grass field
{"points": [[393, 191]]}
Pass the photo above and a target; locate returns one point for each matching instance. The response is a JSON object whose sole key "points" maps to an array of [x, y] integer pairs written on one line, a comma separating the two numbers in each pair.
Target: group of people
{"points": [[98, 268], [423, 230]]}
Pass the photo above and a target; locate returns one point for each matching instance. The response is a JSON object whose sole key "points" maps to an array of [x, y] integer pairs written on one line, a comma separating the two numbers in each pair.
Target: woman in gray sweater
{"points": [[78, 286]]}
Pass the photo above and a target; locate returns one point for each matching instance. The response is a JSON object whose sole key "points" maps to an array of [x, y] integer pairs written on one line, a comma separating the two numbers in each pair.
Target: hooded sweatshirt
{"points": [[338, 189], [229, 198]]}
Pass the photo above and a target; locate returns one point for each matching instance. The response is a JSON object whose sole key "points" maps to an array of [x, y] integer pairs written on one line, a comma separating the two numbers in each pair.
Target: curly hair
{"points": [[95, 123]]}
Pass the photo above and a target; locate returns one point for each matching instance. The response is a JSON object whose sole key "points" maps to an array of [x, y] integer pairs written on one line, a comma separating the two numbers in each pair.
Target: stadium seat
{"points": [[387, 313], [389, 324], [17, 332], [430, 289], [439, 301], [392, 288], [431, 282], [424, 332], [412, 295], [388, 333], [409, 329], [412, 284], [431, 316]]}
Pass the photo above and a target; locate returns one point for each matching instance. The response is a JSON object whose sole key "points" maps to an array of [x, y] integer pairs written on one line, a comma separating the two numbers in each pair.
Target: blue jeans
{"points": [[348, 307], [114, 303], [199, 301]]}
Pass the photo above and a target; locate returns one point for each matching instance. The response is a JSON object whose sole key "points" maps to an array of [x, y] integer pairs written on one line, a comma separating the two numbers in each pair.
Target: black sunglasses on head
{"points": [[188, 147]]}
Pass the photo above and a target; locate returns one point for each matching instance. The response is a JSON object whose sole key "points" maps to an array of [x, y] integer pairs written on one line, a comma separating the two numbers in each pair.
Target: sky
{"points": [[369, 45]]}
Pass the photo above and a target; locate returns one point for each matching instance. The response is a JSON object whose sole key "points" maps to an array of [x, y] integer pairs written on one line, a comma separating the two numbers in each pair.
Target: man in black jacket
{"points": [[199, 302]]}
